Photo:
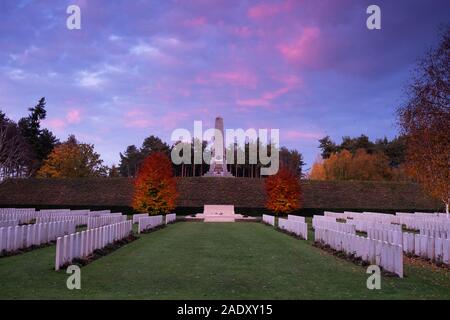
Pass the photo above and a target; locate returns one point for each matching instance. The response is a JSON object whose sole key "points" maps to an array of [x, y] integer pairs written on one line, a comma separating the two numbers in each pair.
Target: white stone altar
{"points": [[219, 213]]}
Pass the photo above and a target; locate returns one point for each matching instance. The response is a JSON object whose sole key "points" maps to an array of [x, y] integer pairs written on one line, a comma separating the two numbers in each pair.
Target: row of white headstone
{"points": [[295, 226], [433, 214], [9, 223], [436, 249], [435, 233], [96, 222], [374, 217], [331, 224], [137, 216], [436, 225], [16, 210], [102, 213], [364, 226], [147, 223], [414, 221], [432, 242], [61, 212], [268, 219], [171, 217], [79, 219], [19, 237], [388, 256], [422, 222], [30, 214], [23, 215], [84, 243], [296, 218], [391, 236]]}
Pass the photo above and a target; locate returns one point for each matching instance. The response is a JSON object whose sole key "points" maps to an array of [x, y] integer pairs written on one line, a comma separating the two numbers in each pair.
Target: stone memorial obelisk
{"points": [[218, 164]]}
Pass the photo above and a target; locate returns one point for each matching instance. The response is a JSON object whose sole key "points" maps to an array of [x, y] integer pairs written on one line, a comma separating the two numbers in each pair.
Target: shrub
{"points": [[283, 192], [155, 186]]}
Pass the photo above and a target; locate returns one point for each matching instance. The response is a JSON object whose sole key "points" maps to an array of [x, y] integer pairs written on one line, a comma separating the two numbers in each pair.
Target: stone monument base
{"points": [[221, 174]]}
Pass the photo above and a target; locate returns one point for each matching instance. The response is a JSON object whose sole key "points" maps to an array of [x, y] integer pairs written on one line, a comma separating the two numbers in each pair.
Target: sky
{"points": [[307, 67]]}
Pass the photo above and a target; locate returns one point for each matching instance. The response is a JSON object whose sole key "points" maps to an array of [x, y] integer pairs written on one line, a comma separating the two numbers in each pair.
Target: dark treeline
{"points": [[133, 156], [394, 149], [24, 145]]}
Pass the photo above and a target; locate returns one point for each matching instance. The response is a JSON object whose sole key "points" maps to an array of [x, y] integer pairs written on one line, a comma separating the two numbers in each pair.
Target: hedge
{"points": [[245, 194]]}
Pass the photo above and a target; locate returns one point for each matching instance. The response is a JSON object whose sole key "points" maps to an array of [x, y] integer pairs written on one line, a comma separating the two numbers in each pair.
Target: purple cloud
{"points": [[138, 68]]}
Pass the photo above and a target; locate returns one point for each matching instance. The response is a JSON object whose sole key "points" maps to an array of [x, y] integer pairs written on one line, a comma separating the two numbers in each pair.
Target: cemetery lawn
{"points": [[190, 260]]}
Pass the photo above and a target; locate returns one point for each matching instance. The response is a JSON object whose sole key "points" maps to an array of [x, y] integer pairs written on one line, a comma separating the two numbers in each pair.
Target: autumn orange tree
{"points": [[155, 186], [425, 121], [359, 166], [283, 192], [72, 159]]}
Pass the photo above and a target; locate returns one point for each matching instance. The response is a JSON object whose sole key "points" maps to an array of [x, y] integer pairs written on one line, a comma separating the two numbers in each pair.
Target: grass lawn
{"points": [[214, 261]]}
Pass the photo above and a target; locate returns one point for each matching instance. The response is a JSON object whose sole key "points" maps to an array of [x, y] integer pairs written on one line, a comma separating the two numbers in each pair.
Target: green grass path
{"points": [[214, 261]]}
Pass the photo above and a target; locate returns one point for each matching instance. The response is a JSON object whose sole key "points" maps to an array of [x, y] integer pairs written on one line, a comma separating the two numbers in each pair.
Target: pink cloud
{"points": [[134, 113], [275, 94], [73, 116], [259, 102], [173, 119], [266, 98], [235, 78], [264, 10], [140, 118], [137, 118], [55, 124], [304, 48]]}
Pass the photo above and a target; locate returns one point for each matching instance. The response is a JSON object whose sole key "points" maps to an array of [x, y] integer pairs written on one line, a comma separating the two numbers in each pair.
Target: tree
{"points": [[130, 161], [359, 166], [328, 147], [425, 121], [291, 160], [283, 192], [41, 141], [15, 152], [72, 159], [155, 186], [154, 144], [113, 172], [394, 149], [317, 170], [354, 144], [338, 166]]}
